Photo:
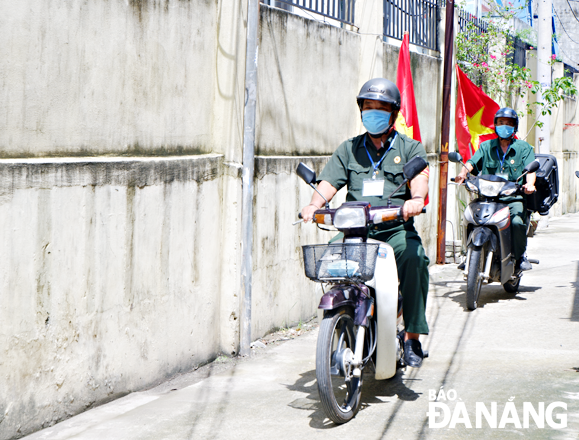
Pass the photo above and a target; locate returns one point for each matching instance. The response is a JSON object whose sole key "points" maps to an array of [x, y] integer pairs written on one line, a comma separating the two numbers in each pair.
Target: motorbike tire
{"points": [[339, 395], [474, 280], [512, 286]]}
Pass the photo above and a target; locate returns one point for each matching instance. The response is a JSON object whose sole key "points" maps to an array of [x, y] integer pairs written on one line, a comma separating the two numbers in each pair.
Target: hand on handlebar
{"points": [[412, 207], [529, 188], [460, 178], [308, 212]]}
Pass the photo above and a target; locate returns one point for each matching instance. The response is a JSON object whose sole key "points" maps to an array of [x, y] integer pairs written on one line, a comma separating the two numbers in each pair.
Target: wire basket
{"points": [[355, 261]]}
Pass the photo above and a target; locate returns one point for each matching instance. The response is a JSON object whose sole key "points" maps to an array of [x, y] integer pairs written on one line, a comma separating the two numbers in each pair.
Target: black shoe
{"points": [[413, 353], [461, 266], [524, 264]]}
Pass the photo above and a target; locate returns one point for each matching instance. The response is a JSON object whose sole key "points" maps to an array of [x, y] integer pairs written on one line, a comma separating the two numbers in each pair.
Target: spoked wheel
{"points": [[512, 286], [474, 280], [339, 389]]}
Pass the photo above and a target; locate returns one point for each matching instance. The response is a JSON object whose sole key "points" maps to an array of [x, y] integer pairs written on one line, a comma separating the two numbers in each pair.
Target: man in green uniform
{"points": [[371, 166], [507, 157]]}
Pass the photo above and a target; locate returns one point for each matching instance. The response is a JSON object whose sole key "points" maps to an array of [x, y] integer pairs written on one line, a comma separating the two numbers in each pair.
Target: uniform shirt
{"points": [[488, 159], [350, 165]]}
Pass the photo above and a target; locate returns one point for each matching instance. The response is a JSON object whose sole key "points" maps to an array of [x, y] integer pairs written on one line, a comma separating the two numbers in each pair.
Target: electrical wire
{"points": [[572, 11], [568, 36], [565, 30]]}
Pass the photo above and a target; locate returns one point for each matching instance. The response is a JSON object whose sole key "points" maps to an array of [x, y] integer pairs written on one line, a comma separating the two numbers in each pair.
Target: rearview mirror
{"points": [[414, 167], [532, 167], [455, 157], [306, 173]]}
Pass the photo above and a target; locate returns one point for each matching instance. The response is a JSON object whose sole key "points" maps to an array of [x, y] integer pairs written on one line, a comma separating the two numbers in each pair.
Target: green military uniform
{"points": [[489, 159], [350, 165]]}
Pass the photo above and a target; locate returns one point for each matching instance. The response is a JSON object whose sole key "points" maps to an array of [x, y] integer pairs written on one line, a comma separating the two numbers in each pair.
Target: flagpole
{"points": [[446, 89]]}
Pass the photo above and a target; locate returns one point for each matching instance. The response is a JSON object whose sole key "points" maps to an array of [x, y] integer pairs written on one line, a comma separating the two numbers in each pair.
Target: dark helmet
{"points": [[379, 89], [507, 113]]}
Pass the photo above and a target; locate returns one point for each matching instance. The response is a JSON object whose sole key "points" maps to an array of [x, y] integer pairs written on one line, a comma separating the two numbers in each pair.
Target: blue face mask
{"points": [[505, 131], [376, 121]]}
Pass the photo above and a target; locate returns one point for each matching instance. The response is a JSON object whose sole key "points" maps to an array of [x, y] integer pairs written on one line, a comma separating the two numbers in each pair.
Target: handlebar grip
{"points": [[424, 210], [299, 215], [452, 179]]}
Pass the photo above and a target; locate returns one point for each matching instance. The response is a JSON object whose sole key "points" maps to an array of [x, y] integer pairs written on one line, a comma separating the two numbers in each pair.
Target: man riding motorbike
{"points": [[507, 157], [371, 166]]}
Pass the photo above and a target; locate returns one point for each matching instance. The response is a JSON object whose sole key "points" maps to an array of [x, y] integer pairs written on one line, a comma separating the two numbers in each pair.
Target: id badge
{"points": [[373, 187], [503, 175]]}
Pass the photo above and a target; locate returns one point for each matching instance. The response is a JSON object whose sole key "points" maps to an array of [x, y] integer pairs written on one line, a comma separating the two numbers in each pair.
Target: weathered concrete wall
{"points": [[308, 81], [282, 294], [109, 280], [107, 77]]}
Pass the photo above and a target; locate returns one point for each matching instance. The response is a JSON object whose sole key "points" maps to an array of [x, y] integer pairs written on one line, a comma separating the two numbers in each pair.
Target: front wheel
{"points": [[339, 390], [474, 280]]}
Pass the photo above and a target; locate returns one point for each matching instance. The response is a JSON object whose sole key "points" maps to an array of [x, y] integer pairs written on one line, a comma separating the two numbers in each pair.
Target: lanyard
{"points": [[375, 165], [504, 155]]}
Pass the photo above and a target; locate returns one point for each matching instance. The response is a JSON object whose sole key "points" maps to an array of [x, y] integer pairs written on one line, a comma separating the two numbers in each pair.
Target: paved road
{"points": [[515, 348]]}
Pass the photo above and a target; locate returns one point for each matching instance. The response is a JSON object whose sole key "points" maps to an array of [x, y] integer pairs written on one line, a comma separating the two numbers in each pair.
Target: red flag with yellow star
{"points": [[407, 120], [475, 113]]}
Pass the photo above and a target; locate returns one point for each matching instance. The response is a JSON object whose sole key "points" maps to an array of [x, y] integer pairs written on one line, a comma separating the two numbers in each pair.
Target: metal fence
{"points": [[471, 25], [418, 17], [340, 10], [519, 53]]}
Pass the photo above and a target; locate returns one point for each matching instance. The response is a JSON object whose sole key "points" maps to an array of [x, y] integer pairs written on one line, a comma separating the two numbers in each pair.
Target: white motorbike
{"points": [[362, 318]]}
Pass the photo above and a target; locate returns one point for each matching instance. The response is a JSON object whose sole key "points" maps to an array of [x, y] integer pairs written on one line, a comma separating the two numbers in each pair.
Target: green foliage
{"points": [[484, 59]]}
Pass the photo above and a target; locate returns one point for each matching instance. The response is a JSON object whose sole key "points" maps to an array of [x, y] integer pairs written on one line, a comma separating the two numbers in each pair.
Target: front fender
{"points": [[337, 297], [481, 235]]}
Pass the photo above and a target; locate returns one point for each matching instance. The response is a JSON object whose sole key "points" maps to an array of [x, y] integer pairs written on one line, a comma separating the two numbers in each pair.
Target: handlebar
{"points": [[390, 216]]}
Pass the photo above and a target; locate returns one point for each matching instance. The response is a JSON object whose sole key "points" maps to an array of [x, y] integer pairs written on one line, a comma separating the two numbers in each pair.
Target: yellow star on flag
{"points": [[402, 127], [477, 129]]}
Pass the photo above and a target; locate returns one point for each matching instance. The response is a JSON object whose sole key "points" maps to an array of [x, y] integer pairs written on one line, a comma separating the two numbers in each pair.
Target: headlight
{"points": [[350, 218], [490, 189]]}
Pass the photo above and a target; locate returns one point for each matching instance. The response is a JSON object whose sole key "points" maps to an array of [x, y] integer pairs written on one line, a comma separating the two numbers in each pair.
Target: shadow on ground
{"points": [[374, 392], [490, 294]]}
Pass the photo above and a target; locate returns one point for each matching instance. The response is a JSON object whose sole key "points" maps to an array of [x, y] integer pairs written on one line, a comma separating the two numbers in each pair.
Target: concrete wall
{"points": [[120, 185], [109, 277], [99, 77]]}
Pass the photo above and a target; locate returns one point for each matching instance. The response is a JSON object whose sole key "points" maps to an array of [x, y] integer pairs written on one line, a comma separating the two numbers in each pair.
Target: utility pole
{"points": [[446, 90], [544, 31], [248, 173]]}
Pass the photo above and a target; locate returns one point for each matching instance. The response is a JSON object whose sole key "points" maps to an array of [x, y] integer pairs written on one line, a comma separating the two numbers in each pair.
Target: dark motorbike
{"points": [[486, 225], [362, 314]]}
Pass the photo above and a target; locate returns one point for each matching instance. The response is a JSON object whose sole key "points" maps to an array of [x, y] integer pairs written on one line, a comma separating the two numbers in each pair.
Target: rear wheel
{"points": [[339, 390], [474, 280]]}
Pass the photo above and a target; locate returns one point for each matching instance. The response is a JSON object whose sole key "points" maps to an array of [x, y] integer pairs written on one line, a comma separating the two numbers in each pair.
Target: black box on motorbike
{"points": [[547, 185]]}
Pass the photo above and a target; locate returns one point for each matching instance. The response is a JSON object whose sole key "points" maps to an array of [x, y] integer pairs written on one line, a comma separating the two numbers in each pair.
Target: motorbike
{"points": [[486, 223], [362, 307]]}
